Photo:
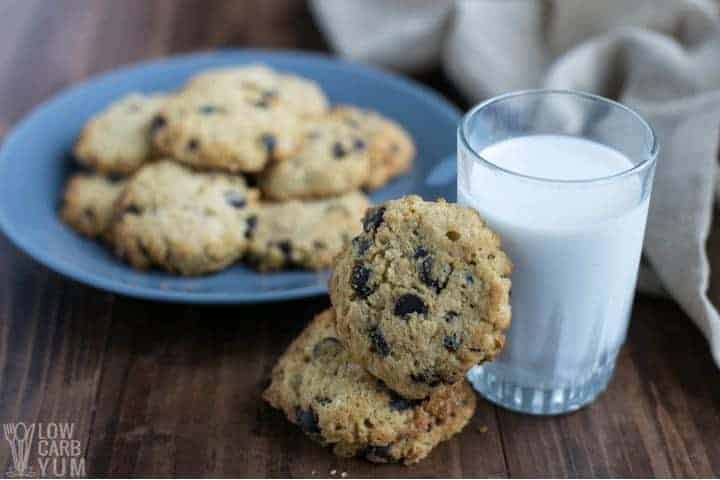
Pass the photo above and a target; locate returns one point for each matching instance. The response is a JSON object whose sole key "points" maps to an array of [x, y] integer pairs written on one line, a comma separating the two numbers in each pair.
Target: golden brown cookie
{"points": [[422, 294], [337, 403], [117, 140], [219, 129], [264, 87], [88, 202], [333, 159], [181, 220], [390, 146], [304, 234]]}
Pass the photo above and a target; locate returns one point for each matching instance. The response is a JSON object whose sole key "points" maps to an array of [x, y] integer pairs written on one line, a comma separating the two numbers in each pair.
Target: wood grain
{"points": [[157, 389]]}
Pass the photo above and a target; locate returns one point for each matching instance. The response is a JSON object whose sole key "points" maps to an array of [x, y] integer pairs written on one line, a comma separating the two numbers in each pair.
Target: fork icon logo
{"points": [[20, 437]]}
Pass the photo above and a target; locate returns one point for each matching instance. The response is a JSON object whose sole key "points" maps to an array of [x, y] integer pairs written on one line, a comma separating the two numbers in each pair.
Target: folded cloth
{"points": [[661, 57]]}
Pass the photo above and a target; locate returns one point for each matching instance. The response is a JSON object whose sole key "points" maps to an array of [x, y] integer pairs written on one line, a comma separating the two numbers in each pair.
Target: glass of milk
{"points": [[565, 178]]}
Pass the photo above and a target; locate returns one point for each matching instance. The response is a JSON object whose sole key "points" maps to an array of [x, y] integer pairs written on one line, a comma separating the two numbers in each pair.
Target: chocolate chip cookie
{"points": [[303, 234], [334, 158], [337, 403], [117, 139], [183, 221], [263, 87], [218, 129], [421, 294], [88, 202], [390, 147]]}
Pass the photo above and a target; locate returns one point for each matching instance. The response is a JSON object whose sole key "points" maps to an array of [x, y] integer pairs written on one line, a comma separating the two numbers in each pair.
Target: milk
{"points": [[576, 249]]}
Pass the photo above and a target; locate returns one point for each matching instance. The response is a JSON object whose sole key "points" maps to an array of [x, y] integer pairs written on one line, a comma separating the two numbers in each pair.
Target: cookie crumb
{"points": [[343, 474], [333, 472], [482, 429]]}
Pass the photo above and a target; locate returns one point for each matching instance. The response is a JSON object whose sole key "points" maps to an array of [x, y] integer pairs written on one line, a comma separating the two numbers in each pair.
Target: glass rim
{"points": [[650, 160]]}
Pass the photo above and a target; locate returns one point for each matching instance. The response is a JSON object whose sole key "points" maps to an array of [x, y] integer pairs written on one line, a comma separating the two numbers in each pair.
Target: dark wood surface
{"points": [[157, 389]]}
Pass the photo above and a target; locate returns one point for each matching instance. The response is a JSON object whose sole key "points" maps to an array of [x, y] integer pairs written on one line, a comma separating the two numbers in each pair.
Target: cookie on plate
{"points": [[422, 294], [337, 403], [88, 202], [182, 221], [218, 129], [333, 159], [304, 234], [390, 147], [117, 140], [264, 87]]}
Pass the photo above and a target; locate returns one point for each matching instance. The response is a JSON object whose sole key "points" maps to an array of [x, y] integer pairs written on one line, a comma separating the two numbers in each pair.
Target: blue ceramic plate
{"points": [[35, 161]]}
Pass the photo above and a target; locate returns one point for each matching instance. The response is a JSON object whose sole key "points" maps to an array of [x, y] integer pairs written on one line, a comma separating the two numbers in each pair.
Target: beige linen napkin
{"points": [[662, 57]]}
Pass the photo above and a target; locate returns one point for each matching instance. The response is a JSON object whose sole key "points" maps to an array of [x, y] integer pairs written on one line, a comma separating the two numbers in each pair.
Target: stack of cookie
{"points": [[239, 163], [419, 297]]}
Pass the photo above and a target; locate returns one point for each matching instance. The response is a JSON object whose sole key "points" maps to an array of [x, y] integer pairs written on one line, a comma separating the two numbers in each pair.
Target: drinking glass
{"points": [[575, 239]]}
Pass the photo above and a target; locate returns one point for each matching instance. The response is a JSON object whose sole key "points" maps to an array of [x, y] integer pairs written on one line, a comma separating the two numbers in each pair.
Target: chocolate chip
{"points": [[157, 123], [115, 178], [235, 199], [381, 386], [251, 224], [323, 400], [193, 144], [133, 209], [327, 348], [251, 180], [431, 379], [89, 213], [377, 454], [338, 150], [398, 403], [208, 109], [425, 271], [308, 421], [361, 244], [269, 141], [469, 279], [409, 303], [359, 144], [265, 99], [451, 316], [144, 250], [420, 252], [373, 219], [285, 247], [452, 342], [359, 281], [379, 344]]}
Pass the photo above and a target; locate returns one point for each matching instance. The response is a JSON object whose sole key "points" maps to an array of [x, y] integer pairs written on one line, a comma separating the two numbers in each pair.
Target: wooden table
{"points": [[157, 389]]}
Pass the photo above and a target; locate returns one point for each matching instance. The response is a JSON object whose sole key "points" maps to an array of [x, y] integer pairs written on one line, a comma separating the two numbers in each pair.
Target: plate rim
{"points": [[110, 285]]}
